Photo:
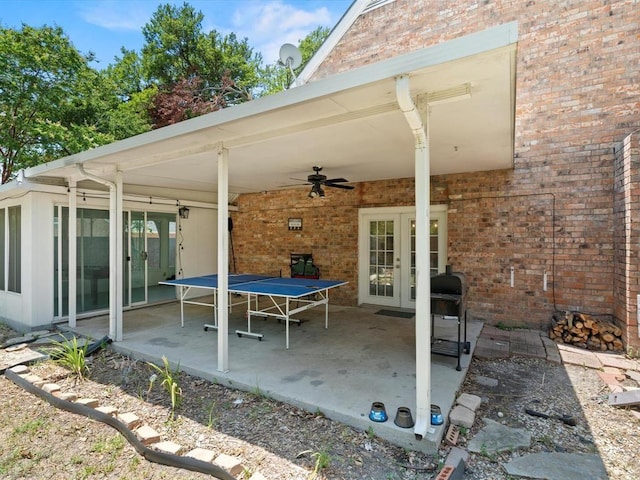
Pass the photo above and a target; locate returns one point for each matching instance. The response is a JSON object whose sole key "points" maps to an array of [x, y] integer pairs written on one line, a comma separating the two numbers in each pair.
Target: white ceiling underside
{"points": [[349, 124]]}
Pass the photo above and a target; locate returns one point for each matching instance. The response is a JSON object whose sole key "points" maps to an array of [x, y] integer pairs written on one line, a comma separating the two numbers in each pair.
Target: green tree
{"points": [[50, 99], [310, 44], [178, 53], [135, 97]]}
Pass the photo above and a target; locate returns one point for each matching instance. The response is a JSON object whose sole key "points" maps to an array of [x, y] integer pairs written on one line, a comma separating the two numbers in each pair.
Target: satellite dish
{"points": [[290, 56]]}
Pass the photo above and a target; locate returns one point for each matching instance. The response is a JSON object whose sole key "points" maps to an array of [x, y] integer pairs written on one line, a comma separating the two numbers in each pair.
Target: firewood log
{"points": [[607, 337], [617, 345]]}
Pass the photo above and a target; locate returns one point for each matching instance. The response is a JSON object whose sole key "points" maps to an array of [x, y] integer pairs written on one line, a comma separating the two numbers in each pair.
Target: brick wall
{"points": [[627, 236], [578, 96], [263, 241]]}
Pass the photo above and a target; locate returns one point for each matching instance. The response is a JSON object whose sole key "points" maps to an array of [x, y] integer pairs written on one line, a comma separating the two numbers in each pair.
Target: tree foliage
{"points": [[48, 102], [184, 61], [53, 103]]}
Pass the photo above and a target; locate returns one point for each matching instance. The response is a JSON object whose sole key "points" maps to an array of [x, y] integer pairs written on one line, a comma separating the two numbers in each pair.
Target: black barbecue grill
{"points": [[449, 299]]}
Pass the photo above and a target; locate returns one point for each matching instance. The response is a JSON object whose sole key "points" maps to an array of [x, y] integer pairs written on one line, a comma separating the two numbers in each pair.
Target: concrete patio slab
{"points": [[360, 359]]}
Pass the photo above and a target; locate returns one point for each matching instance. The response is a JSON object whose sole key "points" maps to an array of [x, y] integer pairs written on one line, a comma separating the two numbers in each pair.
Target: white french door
{"points": [[387, 256]]}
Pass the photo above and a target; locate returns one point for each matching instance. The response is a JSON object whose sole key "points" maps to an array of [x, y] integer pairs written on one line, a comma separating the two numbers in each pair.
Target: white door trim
{"points": [[402, 286]]}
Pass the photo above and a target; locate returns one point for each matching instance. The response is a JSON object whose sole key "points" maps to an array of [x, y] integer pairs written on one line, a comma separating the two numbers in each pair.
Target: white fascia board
{"points": [[472, 44]]}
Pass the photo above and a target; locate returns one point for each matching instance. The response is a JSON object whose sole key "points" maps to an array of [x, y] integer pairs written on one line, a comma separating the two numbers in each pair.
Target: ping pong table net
{"points": [[302, 266]]}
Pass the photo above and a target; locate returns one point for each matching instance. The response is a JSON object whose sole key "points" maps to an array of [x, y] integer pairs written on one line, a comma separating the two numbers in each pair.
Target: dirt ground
{"points": [[283, 442], [578, 392]]}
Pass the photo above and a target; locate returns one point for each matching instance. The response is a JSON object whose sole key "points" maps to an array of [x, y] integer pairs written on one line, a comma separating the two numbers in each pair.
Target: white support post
{"points": [[223, 259], [419, 128], [423, 290], [119, 254], [73, 254], [113, 243]]}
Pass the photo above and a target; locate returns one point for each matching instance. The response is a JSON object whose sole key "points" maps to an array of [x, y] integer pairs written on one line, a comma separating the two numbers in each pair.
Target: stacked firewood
{"points": [[584, 331]]}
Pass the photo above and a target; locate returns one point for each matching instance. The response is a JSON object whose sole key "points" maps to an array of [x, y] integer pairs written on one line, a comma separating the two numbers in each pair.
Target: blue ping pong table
{"points": [[282, 294]]}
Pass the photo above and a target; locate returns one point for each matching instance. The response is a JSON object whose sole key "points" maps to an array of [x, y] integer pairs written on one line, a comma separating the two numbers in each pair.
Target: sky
{"points": [[104, 26]]}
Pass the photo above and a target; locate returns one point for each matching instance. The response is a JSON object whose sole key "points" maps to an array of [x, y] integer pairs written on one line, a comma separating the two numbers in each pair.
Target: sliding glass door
{"points": [[149, 257]]}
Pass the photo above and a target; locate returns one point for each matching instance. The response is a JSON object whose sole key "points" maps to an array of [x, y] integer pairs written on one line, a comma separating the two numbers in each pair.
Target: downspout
{"points": [[115, 330], [423, 276]]}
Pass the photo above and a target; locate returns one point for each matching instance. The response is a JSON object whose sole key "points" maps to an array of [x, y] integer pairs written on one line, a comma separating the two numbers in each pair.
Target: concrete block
{"points": [[113, 411], [169, 447], [633, 375], [619, 374], [147, 435], [33, 379], [51, 388], [618, 361], [88, 402], [131, 420], [576, 356], [623, 399], [462, 416], [20, 369], [201, 454], [472, 402], [68, 396], [233, 465], [456, 457]]}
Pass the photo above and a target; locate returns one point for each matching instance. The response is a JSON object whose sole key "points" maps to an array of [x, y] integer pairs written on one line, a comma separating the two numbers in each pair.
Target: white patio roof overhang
{"points": [[448, 108], [349, 123]]}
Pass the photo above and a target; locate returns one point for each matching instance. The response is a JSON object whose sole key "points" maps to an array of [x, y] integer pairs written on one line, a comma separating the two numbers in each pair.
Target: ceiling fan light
{"points": [[316, 191]]}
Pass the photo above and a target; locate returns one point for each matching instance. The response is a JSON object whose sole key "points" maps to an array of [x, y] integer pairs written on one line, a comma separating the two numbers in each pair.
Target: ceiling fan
{"points": [[318, 180]]}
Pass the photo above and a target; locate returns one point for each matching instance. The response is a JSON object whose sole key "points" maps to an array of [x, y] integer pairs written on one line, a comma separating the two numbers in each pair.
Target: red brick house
{"points": [[566, 209], [501, 138]]}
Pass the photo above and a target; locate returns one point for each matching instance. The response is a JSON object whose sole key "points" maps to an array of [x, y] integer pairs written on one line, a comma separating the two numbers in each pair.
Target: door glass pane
{"points": [[93, 259], [126, 255], [15, 258], [381, 271], [61, 235], [56, 261], [138, 257], [161, 251], [433, 246], [2, 243], [412, 253]]}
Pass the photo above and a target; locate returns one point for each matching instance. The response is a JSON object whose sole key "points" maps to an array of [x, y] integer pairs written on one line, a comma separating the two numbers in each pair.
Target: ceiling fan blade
{"points": [[335, 180], [337, 185]]}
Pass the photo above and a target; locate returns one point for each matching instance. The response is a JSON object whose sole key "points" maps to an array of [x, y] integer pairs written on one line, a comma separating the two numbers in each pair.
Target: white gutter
{"points": [[423, 276], [115, 272]]}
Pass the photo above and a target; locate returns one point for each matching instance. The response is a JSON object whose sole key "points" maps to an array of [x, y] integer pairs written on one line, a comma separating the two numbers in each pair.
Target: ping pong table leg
{"points": [[208, 326], [287, 321], [182, 295], [248, 332], [326, 308]]}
